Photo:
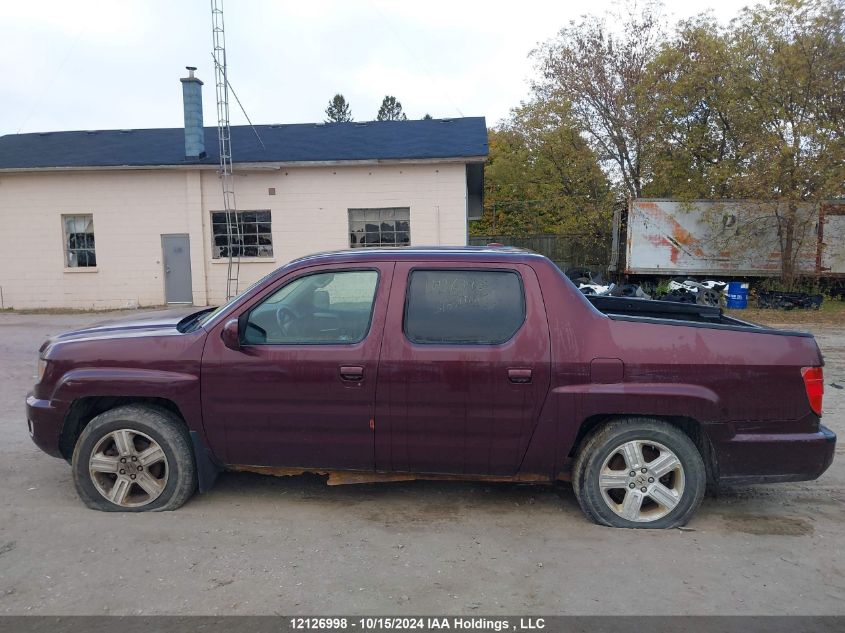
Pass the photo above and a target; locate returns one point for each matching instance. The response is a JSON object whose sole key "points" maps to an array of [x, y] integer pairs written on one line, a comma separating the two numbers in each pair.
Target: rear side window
{"points": [[482, 307]]}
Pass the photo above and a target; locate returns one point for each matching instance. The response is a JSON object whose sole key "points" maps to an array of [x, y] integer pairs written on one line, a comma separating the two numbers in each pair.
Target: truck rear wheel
{"points": [[639, 473], [134, 458]]}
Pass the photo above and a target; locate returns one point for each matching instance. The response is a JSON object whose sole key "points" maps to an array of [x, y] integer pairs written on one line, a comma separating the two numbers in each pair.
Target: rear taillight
{"points": [[814, 384]]}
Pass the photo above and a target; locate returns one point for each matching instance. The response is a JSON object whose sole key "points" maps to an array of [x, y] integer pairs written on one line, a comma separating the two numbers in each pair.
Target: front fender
{"points": [[118, 381], [181, 388]]}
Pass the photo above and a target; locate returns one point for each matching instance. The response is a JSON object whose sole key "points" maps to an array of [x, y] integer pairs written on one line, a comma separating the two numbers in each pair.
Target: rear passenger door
{"points": [[464, 369]]}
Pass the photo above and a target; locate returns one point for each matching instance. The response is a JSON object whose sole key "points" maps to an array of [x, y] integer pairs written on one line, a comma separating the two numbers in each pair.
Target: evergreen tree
{"points": [[391, 110], [338, 110]]}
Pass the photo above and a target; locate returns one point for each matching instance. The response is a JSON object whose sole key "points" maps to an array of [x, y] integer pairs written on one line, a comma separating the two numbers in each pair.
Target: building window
{"points": [[379, 227], [79, 241], [249, 234]]}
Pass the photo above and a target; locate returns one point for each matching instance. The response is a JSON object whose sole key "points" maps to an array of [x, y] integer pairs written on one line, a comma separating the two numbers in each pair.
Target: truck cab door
{"points": [[300, 390], [464, 368]]}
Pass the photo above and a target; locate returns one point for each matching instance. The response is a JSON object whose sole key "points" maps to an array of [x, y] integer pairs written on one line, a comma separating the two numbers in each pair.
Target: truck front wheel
{"points": [[639, 473], [134, 458]]}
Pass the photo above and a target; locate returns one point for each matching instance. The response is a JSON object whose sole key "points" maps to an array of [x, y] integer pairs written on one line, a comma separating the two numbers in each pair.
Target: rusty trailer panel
{"points": [[731, 238], [831, 257]]}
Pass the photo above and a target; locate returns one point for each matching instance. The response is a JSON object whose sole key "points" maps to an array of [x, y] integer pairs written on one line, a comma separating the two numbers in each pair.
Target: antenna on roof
{"points": [[234, 240], [235, 95]]}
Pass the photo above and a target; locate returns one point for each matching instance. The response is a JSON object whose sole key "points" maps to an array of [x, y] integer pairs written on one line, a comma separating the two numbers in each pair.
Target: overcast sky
{"points": [[97, 64]]}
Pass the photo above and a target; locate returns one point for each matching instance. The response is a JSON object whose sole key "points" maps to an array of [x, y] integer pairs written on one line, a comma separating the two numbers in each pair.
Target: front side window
{"points": [[481, 307], [247, 232], [79, 241], [323, 308], [379, 227]]}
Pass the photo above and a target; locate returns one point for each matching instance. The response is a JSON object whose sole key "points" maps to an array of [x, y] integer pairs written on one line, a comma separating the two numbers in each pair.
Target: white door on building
{"points": [[176, 255]]}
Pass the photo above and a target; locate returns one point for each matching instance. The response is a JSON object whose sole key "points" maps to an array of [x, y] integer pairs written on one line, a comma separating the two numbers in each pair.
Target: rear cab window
{"points": [[463, 307]]}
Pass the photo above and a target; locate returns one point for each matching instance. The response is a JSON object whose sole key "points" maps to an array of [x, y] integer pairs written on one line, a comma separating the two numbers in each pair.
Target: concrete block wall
{"points": [[133, 208], [311, 205]]}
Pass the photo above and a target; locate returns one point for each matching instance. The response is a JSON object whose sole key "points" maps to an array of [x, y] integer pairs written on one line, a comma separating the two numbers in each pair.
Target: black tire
{"points": [[577, 272], [603, 442], [708, 298], [158, 424]]}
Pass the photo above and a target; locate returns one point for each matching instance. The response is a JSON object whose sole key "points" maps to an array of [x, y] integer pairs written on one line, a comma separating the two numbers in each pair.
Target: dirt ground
{"points": [[262, 545]]}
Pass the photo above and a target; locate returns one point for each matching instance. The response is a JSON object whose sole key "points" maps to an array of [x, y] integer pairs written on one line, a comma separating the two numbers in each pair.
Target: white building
{"points": [[125, 218]]}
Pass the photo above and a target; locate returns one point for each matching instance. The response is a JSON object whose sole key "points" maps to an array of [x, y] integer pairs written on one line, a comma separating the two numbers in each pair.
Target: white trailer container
{"points": [[731, 238]]}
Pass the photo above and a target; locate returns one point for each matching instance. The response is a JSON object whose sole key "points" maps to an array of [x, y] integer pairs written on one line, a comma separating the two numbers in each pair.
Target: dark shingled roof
{"points": [[308, 142]]}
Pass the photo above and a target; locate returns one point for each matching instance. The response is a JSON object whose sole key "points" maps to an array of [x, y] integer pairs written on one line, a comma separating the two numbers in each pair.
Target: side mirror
{"points": [[231, 335]]}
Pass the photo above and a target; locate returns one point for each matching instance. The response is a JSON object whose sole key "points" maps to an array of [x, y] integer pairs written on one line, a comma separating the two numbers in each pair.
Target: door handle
{"points": [[352, 373], [519, 375]]}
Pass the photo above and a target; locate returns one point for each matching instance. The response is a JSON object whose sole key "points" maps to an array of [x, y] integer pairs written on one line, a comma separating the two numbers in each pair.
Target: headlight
{"points": [[41, 367]]}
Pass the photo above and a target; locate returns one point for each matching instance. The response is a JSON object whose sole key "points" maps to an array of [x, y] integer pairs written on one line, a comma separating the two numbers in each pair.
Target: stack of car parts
{"points": [[708, 293], [592, 284]]}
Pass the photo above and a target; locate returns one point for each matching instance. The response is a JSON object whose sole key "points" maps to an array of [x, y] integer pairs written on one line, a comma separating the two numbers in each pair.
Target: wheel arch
{"points": [[691, 427], [84, 409]]}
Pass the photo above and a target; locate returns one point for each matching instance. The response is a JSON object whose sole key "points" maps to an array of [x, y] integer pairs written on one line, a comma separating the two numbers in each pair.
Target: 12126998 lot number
{"points": [[318, 624], [382, 623]]}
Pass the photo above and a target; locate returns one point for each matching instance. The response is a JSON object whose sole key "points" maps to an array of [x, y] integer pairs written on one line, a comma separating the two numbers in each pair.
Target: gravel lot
{"points": [[261, 545]]}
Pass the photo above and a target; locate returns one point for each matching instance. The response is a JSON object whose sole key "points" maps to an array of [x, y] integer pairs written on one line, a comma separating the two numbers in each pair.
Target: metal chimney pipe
{"points": [[192, 104]]}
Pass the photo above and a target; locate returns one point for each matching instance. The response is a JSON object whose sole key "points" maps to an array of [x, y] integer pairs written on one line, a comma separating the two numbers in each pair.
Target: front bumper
{"points": [[765, 458], [45, 424]]}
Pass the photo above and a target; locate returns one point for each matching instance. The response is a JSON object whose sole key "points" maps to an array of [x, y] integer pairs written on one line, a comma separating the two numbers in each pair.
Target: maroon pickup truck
{"points": [[473, 363]]}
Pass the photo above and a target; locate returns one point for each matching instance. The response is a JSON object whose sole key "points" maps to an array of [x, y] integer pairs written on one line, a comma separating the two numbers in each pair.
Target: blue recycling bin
{"points": [[737, 295]]}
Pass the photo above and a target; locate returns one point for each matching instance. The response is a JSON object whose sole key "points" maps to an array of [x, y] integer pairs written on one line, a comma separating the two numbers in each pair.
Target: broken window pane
{"points": [[247, 230], [79, 241], [379, 227]]}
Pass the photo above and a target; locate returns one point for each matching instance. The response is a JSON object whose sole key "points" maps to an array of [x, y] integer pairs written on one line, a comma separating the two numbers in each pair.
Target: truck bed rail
{"points": [[674, 313]]}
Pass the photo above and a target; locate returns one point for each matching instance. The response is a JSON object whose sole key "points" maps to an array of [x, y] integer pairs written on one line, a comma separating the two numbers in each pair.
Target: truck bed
{"points": [[689, 314]]}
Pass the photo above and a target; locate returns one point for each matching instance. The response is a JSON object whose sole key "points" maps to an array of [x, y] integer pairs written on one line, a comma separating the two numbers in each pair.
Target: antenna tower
{"points": [[234, 239]]}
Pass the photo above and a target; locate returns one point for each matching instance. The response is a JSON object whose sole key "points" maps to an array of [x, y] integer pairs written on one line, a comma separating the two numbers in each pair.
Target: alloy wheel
{"points": [[128, 468], [641, 481]]}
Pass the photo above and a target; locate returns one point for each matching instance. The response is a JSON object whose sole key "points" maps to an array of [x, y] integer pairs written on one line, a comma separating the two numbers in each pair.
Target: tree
{"points": [[753, 110], [790, 55], [604, 76], [543, 177], [749, 112], [695, 149], [427, 117], [391, 110], [338, 110]]}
